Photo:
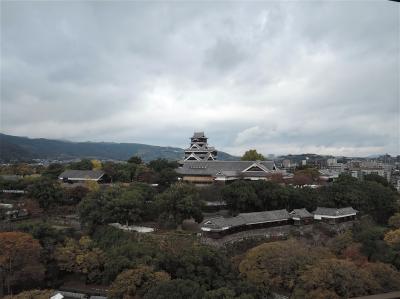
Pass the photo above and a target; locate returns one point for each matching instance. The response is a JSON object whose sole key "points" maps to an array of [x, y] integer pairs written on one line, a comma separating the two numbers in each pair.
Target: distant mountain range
{"points": [[13, 148]]}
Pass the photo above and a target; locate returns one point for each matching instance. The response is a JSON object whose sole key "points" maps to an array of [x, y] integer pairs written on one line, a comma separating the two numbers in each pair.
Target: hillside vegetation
{"points": [[13, 148]]}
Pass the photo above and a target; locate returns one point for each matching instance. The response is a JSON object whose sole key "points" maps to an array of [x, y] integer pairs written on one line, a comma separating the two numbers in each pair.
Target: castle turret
{"points": [[199, 149]]}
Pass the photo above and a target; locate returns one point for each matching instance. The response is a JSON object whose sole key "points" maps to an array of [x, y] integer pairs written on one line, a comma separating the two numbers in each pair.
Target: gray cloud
{"points": [[280, 77]]}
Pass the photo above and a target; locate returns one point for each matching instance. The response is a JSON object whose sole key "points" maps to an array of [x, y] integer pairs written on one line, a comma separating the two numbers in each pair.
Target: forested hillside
{"points": [[13, 148]]}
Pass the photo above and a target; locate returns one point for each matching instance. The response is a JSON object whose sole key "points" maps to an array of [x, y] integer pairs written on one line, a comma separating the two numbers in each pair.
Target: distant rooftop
{"points": [[335, 212], [81, 174], [198, 135]]}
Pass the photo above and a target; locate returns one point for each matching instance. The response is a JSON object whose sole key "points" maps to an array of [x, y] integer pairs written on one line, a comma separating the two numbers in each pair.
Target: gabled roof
{"points": [[81, 175], [192, 155], [256, 165], [265, 216], [300, 213], [226, 168], [335, 212]]}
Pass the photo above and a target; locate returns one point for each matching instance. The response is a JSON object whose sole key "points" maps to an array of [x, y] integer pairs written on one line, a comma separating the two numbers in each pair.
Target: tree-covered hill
{"points": [[13, 148]]}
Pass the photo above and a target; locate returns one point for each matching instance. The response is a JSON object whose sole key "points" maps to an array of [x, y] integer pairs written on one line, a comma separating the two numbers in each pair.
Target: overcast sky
{"points": [[281, 77]]}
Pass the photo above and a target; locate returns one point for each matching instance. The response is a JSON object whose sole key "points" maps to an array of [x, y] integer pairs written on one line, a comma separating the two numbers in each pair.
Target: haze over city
{"points": [[279, 77]]}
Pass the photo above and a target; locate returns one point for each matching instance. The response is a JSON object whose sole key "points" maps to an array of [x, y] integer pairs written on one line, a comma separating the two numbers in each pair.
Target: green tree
{"points": [[53, 171], [180, 201], [84, 164], [46, 192], [377, 178], [135, 283], [135, 160], [252, 155], [177, 289], [221, 293], [166, 177], [160, 164], [241, 196], [94, 210], [128, 208], [205, 265]]}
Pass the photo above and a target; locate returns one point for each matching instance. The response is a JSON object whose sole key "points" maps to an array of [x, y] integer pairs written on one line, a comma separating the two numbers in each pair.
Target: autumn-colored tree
{"points": [[81, 257], [305, 176], [134, 283], [394, 221], [392, 238], [277, 265], [384, 274], [252, 155], [19, 260], [92, 186], [330, 277], [276, 178], [76, 194], [33, 207], [340, 242], [32, 294], [24, 169], [353, 253], [96, 164]]}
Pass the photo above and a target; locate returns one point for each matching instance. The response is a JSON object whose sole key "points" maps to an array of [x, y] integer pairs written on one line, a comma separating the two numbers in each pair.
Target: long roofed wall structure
{"points": [[217, 227], [199, 149]]}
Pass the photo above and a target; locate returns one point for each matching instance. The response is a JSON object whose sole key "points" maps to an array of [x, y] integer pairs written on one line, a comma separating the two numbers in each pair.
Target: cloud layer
{"points": [[281, 77]]}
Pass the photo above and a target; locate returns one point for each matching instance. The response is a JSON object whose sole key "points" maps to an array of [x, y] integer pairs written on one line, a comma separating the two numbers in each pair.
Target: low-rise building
{"points": [[219, 226], [208, 172], [334, 215], [301, 217], [74, 176]]}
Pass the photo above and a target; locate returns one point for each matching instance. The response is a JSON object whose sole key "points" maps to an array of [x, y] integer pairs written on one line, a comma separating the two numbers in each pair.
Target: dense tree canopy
{"points": [[135, 160], [277, 265], [335, 278], [252, 155], [368, 197], [179, 202], [135, 283], [177, 289], [126, 205], [81, 257], [53, 170], [20, 260], [46, 192], [84, 164]]}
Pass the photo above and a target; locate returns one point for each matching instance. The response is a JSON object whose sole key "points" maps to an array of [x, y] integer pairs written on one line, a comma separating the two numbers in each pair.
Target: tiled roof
{"points": [[335, 212], [301, 213], [220, 223], [198, 135], [81, 174], [227, 168]]}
